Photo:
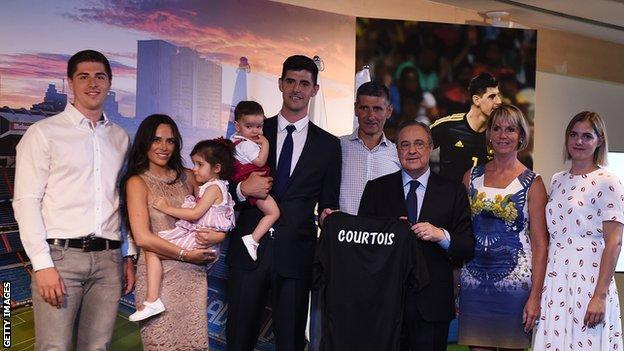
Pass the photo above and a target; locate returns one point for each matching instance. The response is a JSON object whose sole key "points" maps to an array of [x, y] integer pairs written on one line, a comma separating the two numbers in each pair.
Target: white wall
{"points": [[558, 99]]}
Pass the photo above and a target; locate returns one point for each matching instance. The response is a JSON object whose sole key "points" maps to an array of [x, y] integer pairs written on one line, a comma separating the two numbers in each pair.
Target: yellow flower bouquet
{"points": [[501, 207]]}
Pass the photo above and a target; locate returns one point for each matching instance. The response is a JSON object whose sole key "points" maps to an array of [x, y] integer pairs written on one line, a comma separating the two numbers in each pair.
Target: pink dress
{"points": [[219, 217]]}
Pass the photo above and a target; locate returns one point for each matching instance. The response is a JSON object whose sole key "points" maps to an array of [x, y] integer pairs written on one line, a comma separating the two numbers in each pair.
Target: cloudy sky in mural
{"points": [[37, 38]]}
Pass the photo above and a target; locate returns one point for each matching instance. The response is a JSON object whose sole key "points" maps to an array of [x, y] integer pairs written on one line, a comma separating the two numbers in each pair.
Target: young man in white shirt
{"points": [[66, 203]]}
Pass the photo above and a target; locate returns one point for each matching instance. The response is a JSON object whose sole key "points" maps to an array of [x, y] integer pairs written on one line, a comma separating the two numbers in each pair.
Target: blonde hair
{"points": [[598, 125], [512, 114]]}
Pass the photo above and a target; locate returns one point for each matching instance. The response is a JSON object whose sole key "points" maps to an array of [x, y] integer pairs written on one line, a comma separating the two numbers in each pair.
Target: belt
{"points": [[87, 243]]}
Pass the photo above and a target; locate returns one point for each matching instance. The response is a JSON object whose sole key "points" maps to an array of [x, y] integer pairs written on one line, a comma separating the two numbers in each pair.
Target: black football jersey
{"points": [[364, 267], [461, 148]]}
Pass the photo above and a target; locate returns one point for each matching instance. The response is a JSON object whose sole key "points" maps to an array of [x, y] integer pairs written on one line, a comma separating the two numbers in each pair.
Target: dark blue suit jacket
{"points": [[315, 179], [445, 205]]}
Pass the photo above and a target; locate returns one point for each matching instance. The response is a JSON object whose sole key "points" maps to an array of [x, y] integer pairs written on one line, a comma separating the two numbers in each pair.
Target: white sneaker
{"points": [[251, 245], [150, 309]]}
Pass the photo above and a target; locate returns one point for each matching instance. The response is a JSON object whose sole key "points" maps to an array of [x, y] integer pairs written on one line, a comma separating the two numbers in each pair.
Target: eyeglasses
{"points": [[418, 144]]}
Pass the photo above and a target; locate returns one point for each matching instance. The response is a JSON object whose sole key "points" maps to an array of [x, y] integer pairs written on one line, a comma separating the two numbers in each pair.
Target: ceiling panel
{"points": [[539, 14]]}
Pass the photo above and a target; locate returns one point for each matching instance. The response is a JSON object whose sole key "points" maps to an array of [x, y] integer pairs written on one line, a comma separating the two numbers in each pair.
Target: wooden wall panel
{"points": [[575, 55]]}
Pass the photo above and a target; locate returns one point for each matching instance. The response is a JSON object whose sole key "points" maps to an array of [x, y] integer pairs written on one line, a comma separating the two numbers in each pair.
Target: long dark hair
{"points": [[137, 158]]}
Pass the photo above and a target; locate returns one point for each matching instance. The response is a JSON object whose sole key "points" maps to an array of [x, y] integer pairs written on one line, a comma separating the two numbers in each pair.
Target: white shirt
{"points": [[66, 181], [299, 137], [359, 165], [420, 194], [246, 150]]}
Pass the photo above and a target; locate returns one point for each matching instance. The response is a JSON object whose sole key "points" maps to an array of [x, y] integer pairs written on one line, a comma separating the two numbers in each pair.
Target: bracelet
{"points": [[181, 255]]}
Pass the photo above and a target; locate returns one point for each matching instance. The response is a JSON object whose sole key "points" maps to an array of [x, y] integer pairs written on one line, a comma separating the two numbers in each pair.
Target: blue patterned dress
{"points": [[496, 283]]}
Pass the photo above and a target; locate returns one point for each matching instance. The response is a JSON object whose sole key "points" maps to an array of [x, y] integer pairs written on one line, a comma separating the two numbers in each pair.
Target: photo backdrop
{"points": [[193, 60], [427, 66]]}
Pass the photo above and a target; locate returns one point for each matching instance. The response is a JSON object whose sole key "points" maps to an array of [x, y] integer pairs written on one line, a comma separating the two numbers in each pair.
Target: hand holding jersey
{"points": [[428, 232], [363, 268]]}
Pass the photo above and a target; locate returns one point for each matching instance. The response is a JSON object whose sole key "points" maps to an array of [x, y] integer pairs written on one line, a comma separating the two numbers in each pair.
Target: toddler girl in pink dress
{"points": [[213, 208]]}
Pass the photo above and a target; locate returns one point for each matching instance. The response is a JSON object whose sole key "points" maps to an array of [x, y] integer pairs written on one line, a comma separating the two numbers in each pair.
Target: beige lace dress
{"points": [[184, 289]]}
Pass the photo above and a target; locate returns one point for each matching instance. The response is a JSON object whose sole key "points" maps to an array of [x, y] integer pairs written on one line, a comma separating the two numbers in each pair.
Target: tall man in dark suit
{"points": [[305, 164], [439, 211]]}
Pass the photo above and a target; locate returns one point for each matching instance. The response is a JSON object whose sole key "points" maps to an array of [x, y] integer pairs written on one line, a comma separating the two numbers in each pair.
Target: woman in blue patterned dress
{"points": [[500, 292]]}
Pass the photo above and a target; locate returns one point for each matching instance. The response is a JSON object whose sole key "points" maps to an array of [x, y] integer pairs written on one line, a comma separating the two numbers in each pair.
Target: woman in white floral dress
{"points": [[585, 216]]}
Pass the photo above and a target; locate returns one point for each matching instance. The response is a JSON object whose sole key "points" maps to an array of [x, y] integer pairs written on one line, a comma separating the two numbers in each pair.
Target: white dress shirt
{"points": [[66, 182], [420, 194], [359, 165]]}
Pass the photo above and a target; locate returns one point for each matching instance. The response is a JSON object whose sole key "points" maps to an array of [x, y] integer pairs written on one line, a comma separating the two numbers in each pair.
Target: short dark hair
{"points": [[88, 56], [373, 89], [245, 108], [479, 84], [300, 63], [217, 151], [413, 122]]}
